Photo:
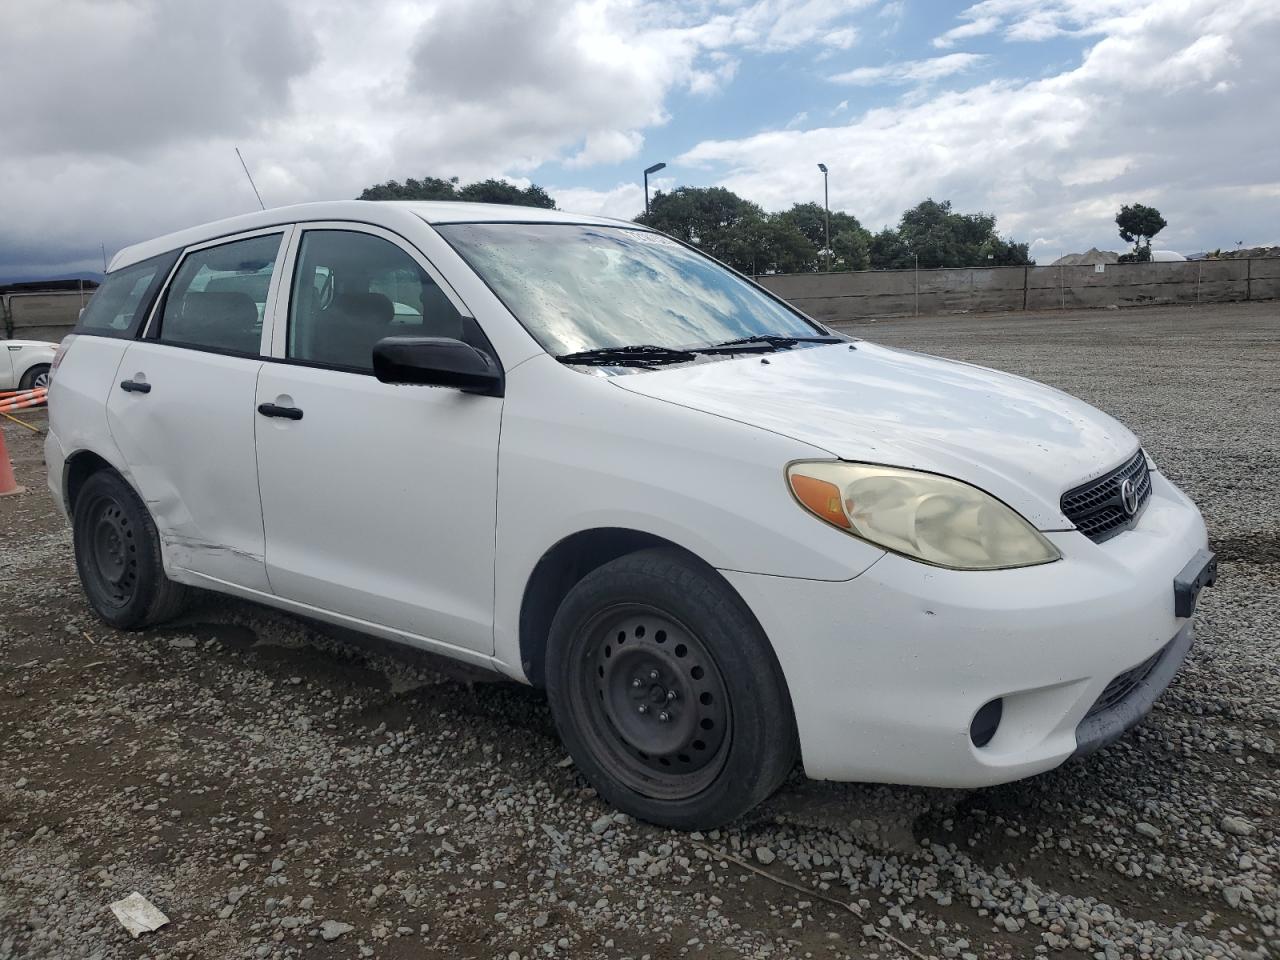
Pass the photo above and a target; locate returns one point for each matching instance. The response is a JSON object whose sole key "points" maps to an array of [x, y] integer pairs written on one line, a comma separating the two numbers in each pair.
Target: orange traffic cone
{"points": [[8, 482]]}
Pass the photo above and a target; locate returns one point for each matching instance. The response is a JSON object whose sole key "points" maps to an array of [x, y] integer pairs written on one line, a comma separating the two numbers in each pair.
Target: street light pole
{"points": [[648, 170], [826, 209]]}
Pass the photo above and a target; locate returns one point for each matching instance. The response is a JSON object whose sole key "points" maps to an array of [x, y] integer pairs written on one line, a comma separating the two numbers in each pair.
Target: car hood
{"points": [[1019, 440]]}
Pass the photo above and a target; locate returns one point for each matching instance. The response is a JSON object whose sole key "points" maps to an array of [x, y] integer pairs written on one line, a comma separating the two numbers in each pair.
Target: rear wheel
{"points": [[667, 693], [118, 556], [37, 376]]}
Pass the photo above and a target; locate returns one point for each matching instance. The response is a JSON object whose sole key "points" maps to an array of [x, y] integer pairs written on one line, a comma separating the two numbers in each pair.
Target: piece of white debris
{"points": [[138, 915]]}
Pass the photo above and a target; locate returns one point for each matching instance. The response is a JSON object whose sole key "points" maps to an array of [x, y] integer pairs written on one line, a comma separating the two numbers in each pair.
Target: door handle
{"points": [[275, 410], [135, 386]]}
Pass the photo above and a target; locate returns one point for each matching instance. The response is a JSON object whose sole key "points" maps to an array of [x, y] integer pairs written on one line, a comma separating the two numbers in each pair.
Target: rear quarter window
{"points": [[117, 308]]}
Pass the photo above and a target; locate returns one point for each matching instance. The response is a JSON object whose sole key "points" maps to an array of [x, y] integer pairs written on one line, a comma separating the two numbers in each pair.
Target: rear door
{"points": [[182, 410], [379, 500], [86, 379]]}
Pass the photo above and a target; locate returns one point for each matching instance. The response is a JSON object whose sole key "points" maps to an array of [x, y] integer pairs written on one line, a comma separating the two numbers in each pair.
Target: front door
{"points": [[379, 500], [181, 409]]}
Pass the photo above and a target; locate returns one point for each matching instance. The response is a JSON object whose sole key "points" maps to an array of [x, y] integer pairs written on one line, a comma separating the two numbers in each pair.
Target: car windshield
{"points": [[577, 287]]}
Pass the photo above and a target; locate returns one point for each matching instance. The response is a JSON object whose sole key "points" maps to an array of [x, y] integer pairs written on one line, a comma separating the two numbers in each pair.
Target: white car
{"points": [[719, 535], [25, 364]]}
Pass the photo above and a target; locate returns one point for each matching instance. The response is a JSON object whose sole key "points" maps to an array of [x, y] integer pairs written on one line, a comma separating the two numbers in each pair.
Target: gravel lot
{"points": [[282, 789]]}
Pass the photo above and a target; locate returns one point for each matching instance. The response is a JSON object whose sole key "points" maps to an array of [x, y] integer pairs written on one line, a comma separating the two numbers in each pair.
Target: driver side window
{"points": [[352, 289]]}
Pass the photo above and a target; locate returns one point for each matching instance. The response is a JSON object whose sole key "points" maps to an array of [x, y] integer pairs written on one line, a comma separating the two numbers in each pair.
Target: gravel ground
{"points": [[282, 789]]}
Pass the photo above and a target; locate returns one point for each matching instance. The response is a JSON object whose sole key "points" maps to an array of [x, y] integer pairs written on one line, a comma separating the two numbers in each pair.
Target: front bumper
{"points": [[887, 671]]}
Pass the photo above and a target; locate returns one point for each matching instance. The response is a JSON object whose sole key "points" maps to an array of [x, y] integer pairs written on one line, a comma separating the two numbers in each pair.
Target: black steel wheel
{"points": [[655, 699], [118, 555], [667, 693], [113, 547]]}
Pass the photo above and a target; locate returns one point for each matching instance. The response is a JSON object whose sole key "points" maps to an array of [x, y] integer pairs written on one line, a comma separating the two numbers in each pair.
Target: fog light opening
{"points": [[985, 722]]}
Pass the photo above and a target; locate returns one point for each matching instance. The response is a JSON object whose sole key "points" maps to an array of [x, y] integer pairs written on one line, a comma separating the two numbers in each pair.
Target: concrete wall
{"points": [[40, 316], [886, 293]]}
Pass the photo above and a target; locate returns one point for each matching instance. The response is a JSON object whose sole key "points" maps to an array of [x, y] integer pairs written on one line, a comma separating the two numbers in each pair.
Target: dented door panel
{"points": [[189, 443]]}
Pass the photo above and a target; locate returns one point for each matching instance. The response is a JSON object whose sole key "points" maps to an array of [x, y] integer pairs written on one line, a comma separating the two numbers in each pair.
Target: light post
{"points": [[648, 170], [826, 209]]}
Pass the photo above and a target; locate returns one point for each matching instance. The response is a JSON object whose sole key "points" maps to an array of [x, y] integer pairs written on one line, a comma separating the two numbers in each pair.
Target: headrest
{"points": [[372, 308]]}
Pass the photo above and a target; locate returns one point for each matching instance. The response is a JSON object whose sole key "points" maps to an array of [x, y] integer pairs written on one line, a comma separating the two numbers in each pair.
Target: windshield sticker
{"points": [[654, 239]]}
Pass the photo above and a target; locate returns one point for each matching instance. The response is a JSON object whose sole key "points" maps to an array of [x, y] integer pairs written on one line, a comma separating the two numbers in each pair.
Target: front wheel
{"points": [[118, 556], [37, 376], [666, 692]]}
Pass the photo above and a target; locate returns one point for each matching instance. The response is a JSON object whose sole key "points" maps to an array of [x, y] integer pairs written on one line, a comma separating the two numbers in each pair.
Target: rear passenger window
{"points": [[352, 289], [116, 308], [219, 295]]}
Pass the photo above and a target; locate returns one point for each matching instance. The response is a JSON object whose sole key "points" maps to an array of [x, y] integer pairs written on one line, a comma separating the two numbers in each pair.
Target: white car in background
{"points": [[25, 364], [575, 451]]}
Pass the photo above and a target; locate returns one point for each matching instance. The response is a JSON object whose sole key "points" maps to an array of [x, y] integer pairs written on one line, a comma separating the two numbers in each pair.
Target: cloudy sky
{"points": [[120, 117]]}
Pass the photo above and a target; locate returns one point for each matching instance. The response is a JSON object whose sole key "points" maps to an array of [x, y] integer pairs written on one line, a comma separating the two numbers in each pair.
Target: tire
{"points": [[118, 556], [37, 376], [667, 693]]}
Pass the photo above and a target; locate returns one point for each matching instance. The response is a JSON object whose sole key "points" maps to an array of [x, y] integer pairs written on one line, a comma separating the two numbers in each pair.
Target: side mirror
{"points": [[437, 362]]}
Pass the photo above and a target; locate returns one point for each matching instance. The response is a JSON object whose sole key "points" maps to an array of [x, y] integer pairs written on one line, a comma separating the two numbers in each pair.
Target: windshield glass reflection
{"points": [[578, 287]]}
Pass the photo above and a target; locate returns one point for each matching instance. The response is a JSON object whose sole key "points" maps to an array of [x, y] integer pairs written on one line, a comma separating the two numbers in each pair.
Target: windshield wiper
{"points": [[635, 355], [775, 340]]}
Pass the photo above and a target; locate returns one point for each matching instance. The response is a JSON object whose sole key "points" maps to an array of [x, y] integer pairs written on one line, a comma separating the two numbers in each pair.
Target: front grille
{"points": [[1123, 685], [1096, 507]]}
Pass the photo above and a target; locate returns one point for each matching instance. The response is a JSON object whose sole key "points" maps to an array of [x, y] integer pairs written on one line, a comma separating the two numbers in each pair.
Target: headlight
{"points": [[924, 516]]}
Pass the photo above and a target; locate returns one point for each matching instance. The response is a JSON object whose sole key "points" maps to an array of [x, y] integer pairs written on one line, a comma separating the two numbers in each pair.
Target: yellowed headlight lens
{"points": [[922, 515]]}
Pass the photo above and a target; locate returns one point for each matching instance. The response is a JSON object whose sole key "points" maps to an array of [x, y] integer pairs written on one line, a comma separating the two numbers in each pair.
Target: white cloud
{"points": [[793, 24], [974, 28], [623, 201], [721, 70], [132, 133], [1035, 20], [607, 146], [892, 13], [1142, 117], [911, 71]]}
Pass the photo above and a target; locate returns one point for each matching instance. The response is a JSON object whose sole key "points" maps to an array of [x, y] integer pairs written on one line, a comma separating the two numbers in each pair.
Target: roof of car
{"points": [[391, 214]]}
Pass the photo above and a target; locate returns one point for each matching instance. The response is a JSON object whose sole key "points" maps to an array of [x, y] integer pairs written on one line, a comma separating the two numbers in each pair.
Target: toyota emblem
{"points": [[1129, 497]]}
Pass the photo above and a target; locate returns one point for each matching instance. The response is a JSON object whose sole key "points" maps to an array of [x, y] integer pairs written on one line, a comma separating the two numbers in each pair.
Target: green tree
{"points": [[786, 248], [999, 252], [1138, 224], [849, 240], [713, 219], [484, 191], [888, 251], [500, 191], [940, 237], [852, 249], [428, 188]]}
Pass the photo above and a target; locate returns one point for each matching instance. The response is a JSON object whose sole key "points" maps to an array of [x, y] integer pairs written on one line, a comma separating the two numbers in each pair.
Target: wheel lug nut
{"points": [[664, 716], [671, 694], [653, 674], [637, 682], [643, 708]]}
